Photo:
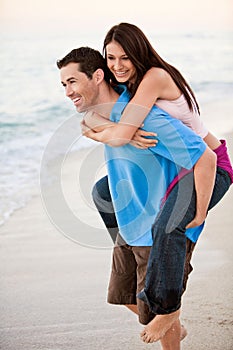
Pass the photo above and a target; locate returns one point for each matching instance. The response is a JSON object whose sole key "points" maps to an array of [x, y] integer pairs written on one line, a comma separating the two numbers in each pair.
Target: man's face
{"points": [[79, 88]]}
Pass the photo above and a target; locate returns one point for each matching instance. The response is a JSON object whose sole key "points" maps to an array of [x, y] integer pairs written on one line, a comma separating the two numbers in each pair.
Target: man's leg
{"points": [[173, 337], [132, 308], [102, 200], [171, 340]]}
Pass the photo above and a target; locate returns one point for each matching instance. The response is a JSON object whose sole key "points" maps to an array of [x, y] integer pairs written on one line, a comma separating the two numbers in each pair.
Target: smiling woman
{"points": [[119, 63]]}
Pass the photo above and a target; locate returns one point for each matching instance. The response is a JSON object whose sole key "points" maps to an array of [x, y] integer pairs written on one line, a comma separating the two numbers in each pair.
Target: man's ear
{"points": [[99, 75]]}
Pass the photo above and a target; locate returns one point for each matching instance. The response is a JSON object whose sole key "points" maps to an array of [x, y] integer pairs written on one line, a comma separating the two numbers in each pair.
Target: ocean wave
{"points": [[222, 88], [15, 125]]}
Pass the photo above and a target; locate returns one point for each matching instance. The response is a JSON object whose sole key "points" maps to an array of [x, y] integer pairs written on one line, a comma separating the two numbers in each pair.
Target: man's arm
{"points": [[204, 178]]}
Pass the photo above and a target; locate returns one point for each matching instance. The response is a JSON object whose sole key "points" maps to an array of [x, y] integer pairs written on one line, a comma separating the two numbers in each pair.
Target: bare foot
{"points": [[157, 328], [183, 332]]}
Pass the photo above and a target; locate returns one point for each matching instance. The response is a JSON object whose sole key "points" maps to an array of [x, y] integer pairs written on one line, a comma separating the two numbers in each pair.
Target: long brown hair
{"points": [[143, 56]]}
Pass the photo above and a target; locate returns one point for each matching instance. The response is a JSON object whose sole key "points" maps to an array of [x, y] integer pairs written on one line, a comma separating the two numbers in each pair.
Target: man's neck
{"points": [[106, 99]]}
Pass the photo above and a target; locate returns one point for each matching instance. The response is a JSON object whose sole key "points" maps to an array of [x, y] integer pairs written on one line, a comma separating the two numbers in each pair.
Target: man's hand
{"points": [[86, 131], [84, 127], [140, 141]]}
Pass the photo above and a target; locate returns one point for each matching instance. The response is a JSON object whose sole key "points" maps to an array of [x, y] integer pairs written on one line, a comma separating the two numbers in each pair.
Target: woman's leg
{"points": [[164, 279], [165, 271]]}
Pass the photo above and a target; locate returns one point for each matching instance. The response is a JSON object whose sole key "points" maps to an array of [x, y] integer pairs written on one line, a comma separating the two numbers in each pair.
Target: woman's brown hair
{"points": [[143, 56]]}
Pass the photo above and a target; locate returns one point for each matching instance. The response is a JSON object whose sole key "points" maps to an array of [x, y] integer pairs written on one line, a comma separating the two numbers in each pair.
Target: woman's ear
{"points": [[99, 75]]}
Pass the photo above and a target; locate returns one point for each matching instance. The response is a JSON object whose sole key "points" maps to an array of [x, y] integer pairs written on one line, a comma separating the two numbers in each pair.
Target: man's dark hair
{"points": [[89, 61]]}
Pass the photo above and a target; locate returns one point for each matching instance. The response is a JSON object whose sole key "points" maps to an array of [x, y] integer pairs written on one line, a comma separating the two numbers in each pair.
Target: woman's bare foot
{"points": [[158, 327]]}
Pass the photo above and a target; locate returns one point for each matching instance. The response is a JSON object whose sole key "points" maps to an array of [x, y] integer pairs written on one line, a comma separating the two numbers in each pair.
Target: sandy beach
{"points": [[53, 284]]}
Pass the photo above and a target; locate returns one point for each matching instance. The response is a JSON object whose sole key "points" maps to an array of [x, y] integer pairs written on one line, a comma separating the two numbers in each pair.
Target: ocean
{"points": [[33, 105]]}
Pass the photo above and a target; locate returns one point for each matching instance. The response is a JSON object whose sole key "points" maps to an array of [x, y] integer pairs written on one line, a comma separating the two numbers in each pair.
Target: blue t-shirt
{"points": [[138, 179]]}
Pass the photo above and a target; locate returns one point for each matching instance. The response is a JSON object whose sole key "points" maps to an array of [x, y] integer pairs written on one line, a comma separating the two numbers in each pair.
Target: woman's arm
{"points": [[155, 83], [150, 88], [108, 134], [100, 129], [204, 178]]}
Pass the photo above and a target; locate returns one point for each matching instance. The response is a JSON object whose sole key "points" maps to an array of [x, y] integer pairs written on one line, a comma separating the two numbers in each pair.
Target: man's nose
{"points": [[69, 91]]}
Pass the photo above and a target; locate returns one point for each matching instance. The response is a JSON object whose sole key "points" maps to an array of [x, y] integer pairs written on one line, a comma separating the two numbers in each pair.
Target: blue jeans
{"points": [[165, 270]]}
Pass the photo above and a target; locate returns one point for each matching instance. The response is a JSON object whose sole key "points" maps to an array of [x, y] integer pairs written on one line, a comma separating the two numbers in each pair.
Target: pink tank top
{"points": [[179, 109]]}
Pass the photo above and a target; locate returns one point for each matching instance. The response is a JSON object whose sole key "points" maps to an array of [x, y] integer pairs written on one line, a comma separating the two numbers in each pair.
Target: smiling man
{"points": [[83, 81]]}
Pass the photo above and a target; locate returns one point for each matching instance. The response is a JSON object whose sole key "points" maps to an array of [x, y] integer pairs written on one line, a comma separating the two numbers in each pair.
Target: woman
{"points": [[151, 80]]}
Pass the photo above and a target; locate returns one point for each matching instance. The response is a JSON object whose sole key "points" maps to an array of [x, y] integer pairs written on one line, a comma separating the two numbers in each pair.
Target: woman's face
{"points": [[119, 63]]}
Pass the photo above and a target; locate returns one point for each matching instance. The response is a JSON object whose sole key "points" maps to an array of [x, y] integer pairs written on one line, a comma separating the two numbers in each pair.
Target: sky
{"points": [[99, 15]]}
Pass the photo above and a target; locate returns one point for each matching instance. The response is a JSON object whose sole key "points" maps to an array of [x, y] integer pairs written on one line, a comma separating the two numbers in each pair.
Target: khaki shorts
{"points": [[129, 265]]}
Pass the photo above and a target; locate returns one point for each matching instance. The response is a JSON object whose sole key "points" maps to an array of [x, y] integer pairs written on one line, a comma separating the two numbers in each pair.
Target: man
{"points": [[86, 80]]}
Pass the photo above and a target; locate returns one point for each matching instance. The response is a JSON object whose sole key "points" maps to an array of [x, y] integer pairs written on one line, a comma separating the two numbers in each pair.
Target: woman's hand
{"points": [[197, 221], [140, 141]]}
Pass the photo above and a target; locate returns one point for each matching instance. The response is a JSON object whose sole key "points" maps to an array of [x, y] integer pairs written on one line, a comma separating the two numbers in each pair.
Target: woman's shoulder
{"points": [[158, 78], [157, 72]]}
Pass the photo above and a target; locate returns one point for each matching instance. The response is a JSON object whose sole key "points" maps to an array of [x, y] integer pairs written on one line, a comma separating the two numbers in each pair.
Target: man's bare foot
{"points": [[183, 332], [158, 327]]}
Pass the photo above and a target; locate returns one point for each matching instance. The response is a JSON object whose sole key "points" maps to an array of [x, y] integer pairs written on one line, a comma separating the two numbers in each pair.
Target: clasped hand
{"points": [[140, 141]]}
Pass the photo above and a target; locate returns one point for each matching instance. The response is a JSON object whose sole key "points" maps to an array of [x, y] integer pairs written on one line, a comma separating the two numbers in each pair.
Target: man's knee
{"points": [[102, 199]]}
